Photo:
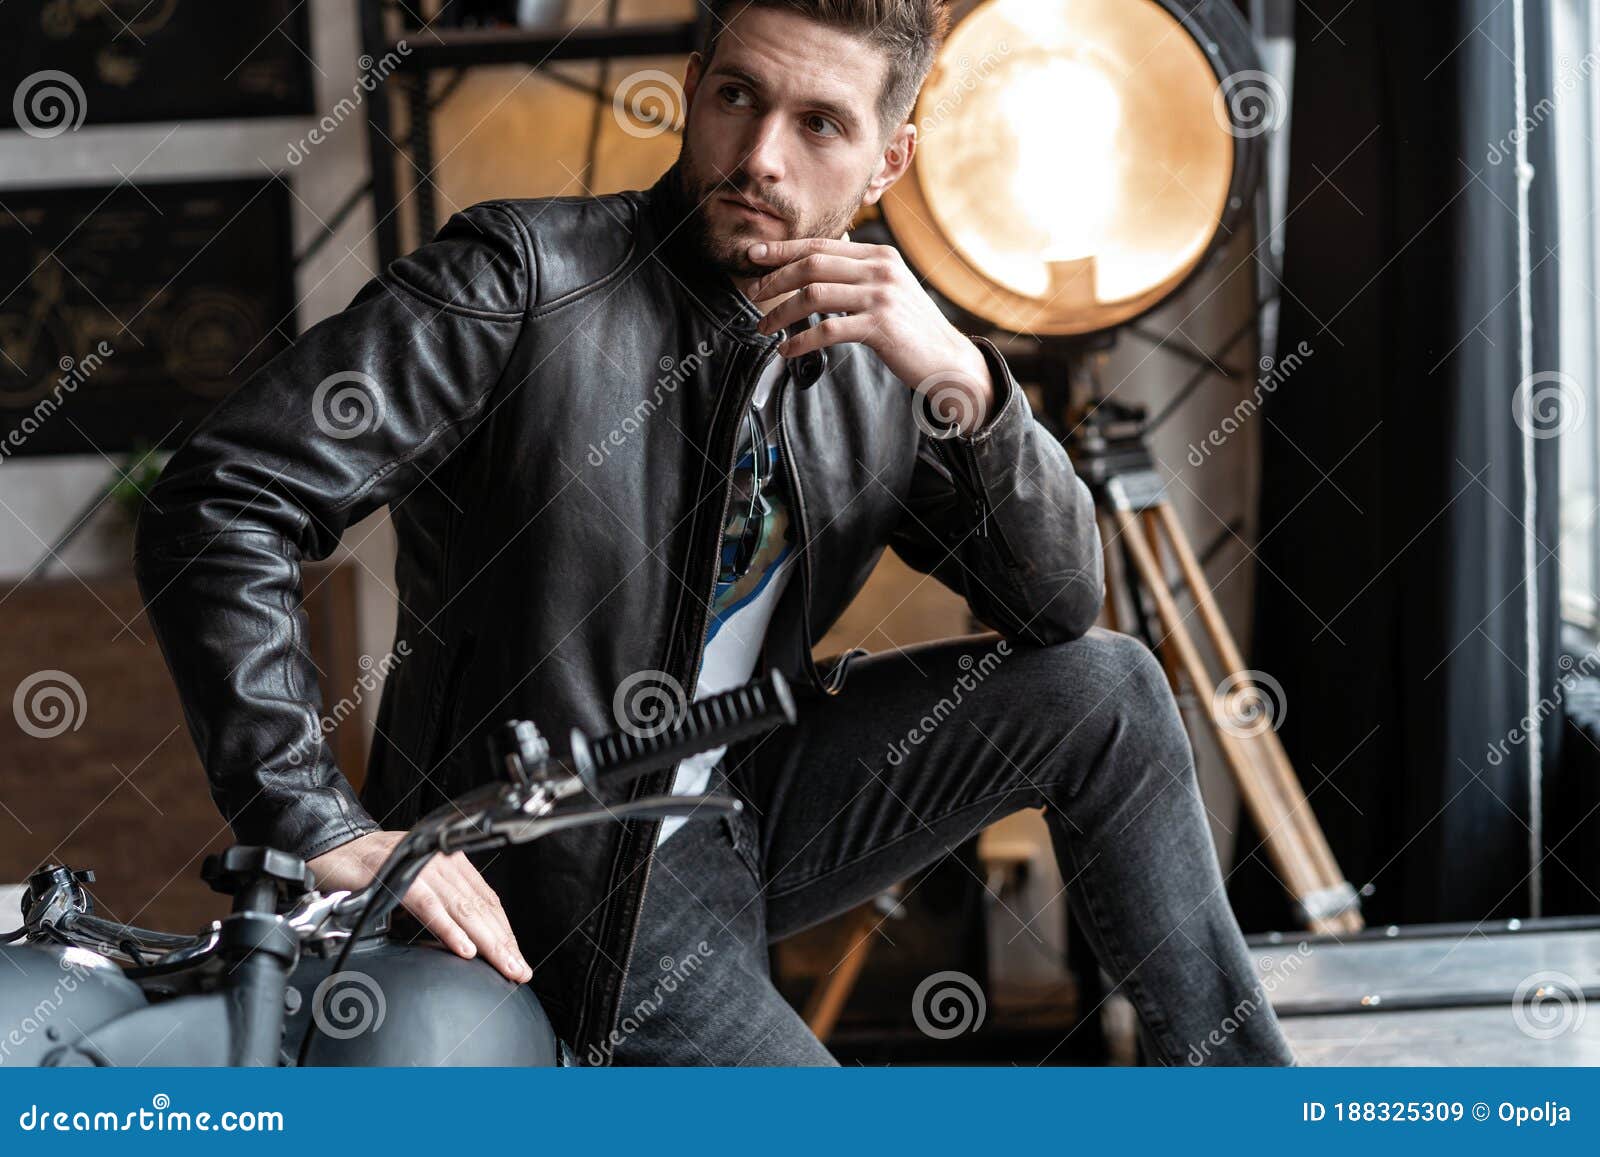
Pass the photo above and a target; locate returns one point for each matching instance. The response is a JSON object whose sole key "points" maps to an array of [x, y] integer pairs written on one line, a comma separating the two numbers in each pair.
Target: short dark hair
{"points": [[907, 32]]}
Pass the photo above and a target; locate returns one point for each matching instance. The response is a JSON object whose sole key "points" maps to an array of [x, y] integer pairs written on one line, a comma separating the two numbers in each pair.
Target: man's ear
{"points": [[691, 79], [897, 154]]}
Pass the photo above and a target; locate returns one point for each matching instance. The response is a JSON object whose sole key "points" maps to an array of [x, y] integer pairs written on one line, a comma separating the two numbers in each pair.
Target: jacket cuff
{"points": [[1004, 406], [305, 828]]}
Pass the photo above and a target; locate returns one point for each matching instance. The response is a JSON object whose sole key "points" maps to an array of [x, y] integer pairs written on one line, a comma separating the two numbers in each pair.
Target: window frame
{"points": [[1576, 98]]}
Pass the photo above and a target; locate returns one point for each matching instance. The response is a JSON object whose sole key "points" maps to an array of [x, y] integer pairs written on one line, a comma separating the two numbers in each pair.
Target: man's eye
{"points": [[736, 97], [822, 126]]}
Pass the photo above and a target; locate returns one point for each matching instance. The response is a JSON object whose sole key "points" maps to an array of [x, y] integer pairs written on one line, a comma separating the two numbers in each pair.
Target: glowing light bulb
{"points": [[1066, 116]]}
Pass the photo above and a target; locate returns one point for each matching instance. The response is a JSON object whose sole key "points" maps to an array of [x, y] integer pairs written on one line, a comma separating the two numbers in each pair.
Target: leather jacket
{"points": [[550, 395]]}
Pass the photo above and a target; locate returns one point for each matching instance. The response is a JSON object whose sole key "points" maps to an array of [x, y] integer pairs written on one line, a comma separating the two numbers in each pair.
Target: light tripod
{"points": [[1109, 450]]}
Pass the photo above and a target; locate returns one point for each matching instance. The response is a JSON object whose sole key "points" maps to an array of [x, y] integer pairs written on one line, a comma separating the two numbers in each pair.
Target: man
{"points": [[616, 481]]}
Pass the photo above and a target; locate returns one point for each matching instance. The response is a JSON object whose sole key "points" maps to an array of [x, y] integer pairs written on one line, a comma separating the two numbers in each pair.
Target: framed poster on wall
{"points": [[128, 312], [122, 61]]}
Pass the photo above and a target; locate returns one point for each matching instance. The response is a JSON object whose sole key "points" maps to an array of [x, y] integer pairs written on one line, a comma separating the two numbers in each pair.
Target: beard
{"points": [[724, 247]]}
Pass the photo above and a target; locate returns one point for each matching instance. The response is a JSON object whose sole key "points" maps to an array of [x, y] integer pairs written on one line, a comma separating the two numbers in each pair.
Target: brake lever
{"points": [[521, 830]]}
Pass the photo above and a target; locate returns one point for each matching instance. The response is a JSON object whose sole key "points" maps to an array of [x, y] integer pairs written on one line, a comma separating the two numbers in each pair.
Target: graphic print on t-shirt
{"points": [[767, 528]]}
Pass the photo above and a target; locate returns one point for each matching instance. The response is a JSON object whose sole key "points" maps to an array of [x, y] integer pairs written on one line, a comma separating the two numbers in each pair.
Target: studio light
{"points": [[1079, 159]]}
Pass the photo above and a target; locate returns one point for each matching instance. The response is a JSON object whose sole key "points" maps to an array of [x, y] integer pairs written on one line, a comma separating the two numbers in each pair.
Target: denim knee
{"points": [[1141, 713]]}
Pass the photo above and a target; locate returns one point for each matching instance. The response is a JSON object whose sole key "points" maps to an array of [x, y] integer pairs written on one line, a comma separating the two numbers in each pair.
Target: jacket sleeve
{"points": [[354, 415], [1002, 519]]}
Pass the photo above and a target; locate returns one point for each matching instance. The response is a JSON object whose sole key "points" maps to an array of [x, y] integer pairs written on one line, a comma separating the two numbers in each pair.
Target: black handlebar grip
{"points": [[709, 723]]}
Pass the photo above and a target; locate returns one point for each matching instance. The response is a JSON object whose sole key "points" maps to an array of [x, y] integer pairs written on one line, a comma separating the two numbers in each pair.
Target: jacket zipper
{"points": [[963, 462], [746, 393], [833, 683]]}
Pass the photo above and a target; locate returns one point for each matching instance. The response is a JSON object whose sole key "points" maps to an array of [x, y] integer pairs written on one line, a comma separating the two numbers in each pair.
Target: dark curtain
{"points": [[1390, 587]]}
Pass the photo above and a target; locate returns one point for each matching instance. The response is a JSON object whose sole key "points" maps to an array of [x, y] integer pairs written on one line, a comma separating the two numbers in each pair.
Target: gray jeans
{"points": [[926, 748]]}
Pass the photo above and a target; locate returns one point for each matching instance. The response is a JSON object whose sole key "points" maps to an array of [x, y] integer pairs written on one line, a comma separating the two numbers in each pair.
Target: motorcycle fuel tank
{"points": [[51, 994], [397, 1004]]}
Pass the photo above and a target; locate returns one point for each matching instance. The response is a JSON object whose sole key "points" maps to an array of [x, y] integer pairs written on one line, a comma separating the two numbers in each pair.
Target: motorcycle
{"points": [[296, 976]]}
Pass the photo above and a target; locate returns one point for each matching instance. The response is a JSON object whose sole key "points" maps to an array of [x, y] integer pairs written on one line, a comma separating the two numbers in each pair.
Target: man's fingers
{"points": [[830, 331], [455, 903], [474, 879], [484, 918], [425, 903], [816, 267], [821, 299], [781, 252], [469, 880], [486, 924]]}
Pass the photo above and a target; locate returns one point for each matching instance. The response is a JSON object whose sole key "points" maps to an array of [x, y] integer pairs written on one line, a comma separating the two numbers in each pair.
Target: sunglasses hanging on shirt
{"points": [[736, 563]]}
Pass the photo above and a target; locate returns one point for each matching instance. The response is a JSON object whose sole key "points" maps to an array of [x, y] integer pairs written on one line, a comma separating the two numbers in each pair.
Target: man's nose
{"points": [[765, 160]]}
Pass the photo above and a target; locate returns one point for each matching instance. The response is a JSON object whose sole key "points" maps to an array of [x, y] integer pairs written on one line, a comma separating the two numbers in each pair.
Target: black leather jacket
{"points": [[558, 385]]}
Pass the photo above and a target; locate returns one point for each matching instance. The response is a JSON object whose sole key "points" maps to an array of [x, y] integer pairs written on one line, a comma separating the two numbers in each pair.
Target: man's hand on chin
{"points": [[886, 310], [449, 896]]}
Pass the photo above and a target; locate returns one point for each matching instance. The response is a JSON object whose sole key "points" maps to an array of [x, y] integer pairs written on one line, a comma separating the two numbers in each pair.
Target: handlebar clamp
{"points": [[257, 878], [521, 751]]}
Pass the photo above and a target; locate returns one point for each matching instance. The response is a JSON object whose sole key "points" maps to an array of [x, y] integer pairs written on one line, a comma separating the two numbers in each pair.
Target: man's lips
{"points": [[753, 209]]}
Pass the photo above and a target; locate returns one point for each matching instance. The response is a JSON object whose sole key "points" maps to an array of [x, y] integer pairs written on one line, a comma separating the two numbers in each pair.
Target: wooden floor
{"points": [[1517, 993]]}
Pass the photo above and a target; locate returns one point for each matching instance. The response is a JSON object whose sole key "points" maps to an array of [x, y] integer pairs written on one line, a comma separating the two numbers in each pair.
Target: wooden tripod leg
{"points": [[1113, 613], [1272, 756], [1161, 517], [1114, 617], [1282, 838], [1168, 660], [832, 992]]}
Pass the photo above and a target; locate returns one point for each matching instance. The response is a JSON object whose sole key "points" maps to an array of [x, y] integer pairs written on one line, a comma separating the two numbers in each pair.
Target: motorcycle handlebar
{"points": [[134, 944], [716, 721], [604, 762]]}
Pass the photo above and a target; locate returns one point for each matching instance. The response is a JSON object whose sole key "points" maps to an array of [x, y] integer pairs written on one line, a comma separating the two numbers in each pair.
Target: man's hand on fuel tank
{"points": [[449, 896]]}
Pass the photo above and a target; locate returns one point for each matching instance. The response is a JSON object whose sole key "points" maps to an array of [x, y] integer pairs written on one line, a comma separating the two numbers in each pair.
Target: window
{"points": [[1575, 62]]}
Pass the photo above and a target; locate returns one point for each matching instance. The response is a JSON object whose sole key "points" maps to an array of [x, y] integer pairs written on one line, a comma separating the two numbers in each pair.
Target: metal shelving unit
{"points": [[456, 50]]}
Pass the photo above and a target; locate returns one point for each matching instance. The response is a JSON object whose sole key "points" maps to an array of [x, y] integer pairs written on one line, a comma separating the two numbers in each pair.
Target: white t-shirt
{"points": [[742, 608]]}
